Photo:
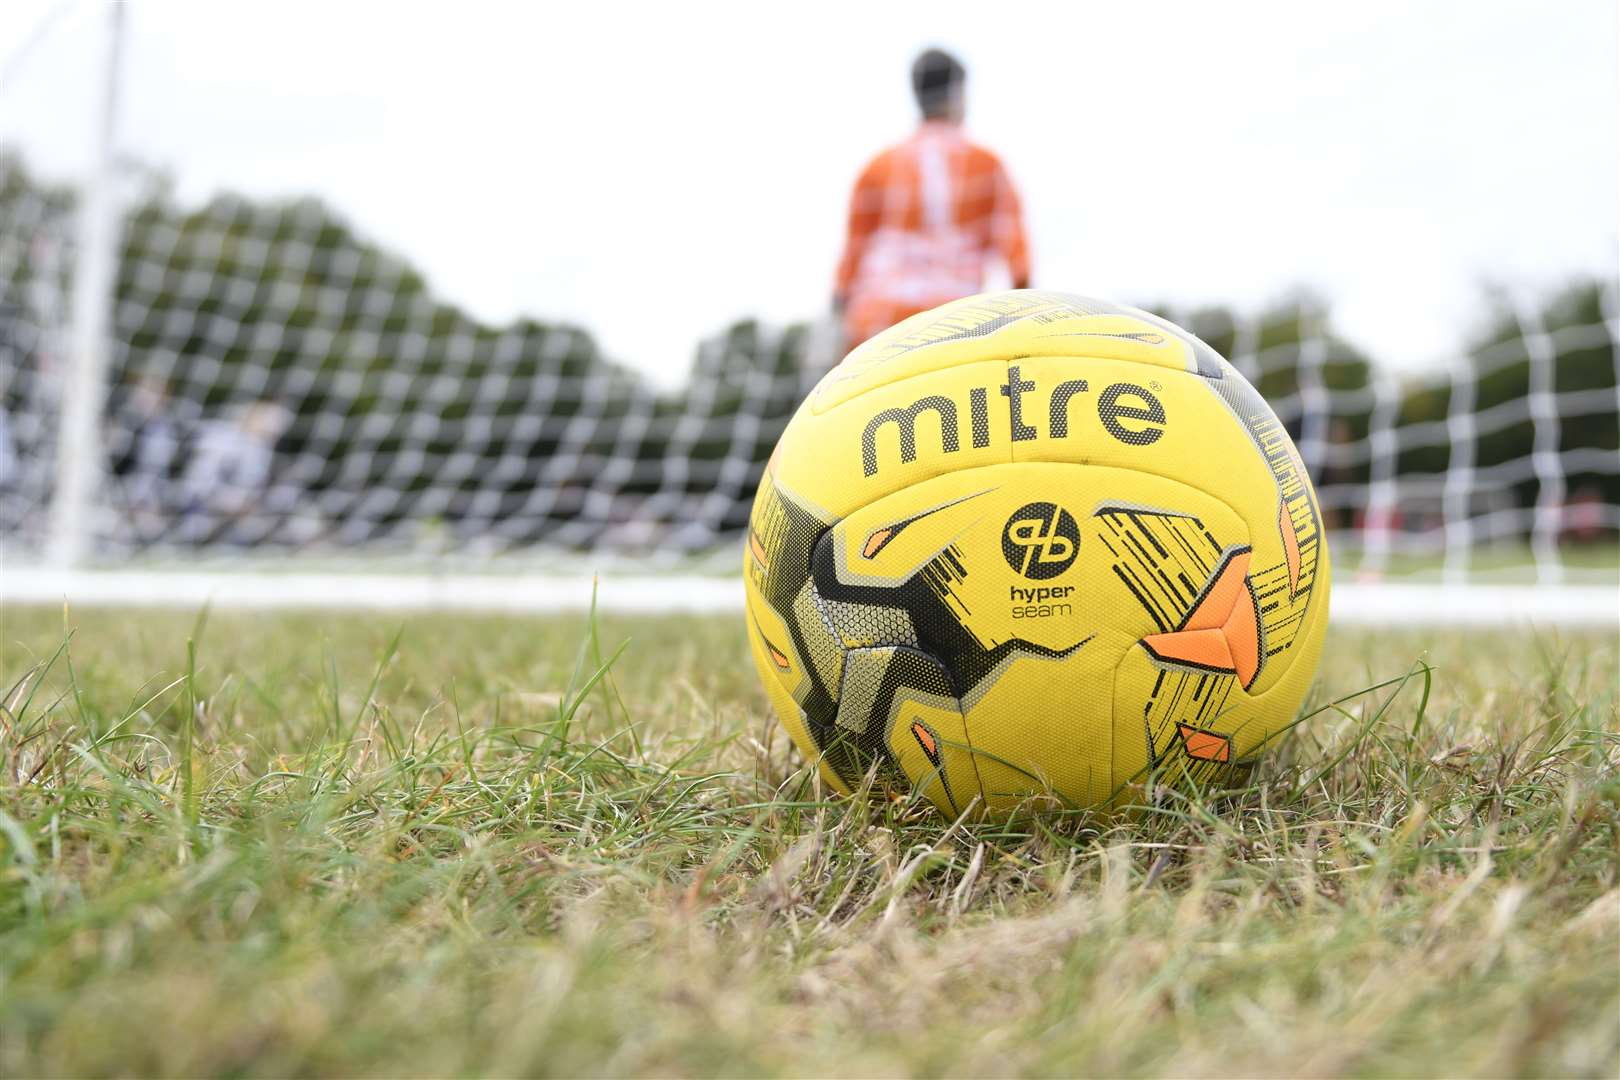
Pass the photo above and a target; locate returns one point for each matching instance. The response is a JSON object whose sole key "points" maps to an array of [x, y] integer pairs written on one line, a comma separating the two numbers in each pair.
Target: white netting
{"points": [[279, 385], [1503, 459]]}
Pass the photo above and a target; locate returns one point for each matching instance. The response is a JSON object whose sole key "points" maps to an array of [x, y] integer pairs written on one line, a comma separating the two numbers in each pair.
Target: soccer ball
{"points": [[1032, 547]]}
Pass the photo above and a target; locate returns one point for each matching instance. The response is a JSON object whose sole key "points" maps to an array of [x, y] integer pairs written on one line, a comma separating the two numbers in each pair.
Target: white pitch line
{"points": [[1354, 604], [630, 594]]}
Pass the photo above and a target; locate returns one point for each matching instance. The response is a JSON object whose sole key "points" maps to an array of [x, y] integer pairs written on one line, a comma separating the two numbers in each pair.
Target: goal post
{"points": [[80, 452]]}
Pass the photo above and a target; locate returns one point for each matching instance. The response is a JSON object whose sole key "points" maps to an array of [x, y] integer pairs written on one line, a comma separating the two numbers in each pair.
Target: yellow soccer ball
{"points": [[1033, 547]]}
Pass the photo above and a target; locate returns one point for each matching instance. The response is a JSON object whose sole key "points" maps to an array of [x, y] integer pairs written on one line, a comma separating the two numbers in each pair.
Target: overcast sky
{"points": [[654, 171]]}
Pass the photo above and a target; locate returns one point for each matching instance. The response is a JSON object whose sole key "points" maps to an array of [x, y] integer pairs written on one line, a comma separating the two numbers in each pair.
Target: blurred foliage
{"points": [[242, 300]]}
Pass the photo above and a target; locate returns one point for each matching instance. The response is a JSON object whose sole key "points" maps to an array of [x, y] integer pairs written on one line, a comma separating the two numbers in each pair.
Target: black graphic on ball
{"points": [[1040, 540]]}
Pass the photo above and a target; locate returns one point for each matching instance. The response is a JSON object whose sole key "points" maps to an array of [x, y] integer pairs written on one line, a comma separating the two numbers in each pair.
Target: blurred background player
{"points": [[231, 467], [927, 215], [146, 443]]}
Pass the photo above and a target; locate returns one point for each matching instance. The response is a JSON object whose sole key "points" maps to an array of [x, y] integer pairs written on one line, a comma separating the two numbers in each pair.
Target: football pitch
{"points": [[296, 844]]}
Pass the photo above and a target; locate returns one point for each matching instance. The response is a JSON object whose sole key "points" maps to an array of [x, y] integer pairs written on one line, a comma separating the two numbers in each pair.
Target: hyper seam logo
{"points": [[1040, 540]]}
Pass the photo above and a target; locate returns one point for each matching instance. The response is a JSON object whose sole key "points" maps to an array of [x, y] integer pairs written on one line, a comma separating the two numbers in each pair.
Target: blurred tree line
{"points": [[390, 390]]}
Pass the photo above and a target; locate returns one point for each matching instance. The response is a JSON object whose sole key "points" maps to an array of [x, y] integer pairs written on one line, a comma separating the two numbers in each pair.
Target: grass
{"points": [[268, 845]]}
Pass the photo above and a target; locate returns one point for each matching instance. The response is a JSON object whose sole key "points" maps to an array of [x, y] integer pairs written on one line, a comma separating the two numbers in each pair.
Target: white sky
{"points": [[653, 171]]}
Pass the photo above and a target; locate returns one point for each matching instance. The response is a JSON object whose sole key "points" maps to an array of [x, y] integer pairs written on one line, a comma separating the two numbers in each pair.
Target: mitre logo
{"points": [[1040, 540], [1130, 413]]}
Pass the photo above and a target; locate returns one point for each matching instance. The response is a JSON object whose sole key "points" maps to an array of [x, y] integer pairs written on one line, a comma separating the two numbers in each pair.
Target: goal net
{"points": [[276, 386]]}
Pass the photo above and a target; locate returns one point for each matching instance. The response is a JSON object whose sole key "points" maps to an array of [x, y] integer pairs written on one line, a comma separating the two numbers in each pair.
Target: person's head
{"points": [[148, 394], [264, 421], [939, 79]]}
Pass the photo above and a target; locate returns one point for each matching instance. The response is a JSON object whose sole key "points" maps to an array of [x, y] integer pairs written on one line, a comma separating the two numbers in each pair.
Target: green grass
{"points": [[270, 845]]}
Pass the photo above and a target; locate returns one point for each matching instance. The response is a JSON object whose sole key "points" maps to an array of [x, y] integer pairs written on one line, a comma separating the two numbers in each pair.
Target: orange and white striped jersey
{"points": [[925, 219]]}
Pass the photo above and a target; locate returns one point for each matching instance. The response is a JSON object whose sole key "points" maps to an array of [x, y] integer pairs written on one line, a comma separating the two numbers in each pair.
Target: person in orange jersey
{"points": [[927, 215]]}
